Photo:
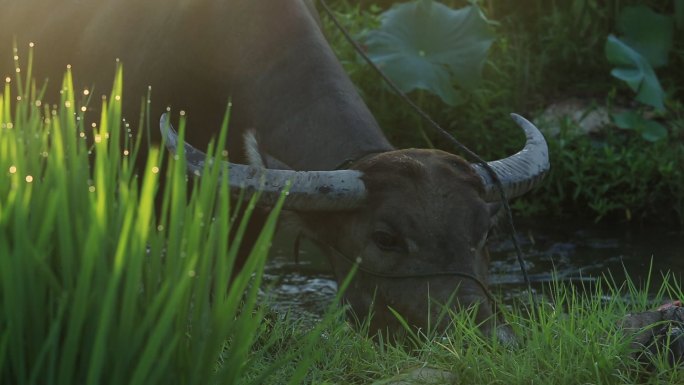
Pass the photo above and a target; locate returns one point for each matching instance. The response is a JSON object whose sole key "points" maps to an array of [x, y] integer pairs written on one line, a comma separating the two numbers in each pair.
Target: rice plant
{"points": [[98, 287]]}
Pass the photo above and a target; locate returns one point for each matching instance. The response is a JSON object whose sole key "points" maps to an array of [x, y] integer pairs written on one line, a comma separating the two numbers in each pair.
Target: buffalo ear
{"points": [[258, 157]]}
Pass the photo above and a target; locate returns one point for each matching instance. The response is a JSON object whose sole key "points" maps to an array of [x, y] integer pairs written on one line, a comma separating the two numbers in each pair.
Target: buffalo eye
{"points": [[387, 241]]}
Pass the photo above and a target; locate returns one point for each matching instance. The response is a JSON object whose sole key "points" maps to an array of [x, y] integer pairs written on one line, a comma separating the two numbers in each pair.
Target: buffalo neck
{"points": [[292, 90]]}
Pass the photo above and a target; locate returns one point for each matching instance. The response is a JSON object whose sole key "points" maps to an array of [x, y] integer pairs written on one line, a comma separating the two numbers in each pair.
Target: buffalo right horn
{"points": [[521, 171], [309, 190]]}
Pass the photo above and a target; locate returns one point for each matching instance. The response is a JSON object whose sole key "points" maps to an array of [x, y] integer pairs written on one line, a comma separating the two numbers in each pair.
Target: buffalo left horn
{"points": [[309, 190], [521, 171]]}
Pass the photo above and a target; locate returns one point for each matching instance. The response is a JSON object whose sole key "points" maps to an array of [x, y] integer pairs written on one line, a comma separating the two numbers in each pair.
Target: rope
{"points": [[444, 134]]}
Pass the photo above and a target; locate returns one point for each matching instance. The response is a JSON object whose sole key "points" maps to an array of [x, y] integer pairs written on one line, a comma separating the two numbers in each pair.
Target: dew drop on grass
{"points": [[155, 170], [192, 274], [67, 104], [13, 169], [160, 228], [224, 153], [8, 80], [125, 152], [82, 135], [19, 98], [86, 92], [182, 112], [117, 98], [10, 125], [91, 189], [29, 179], [45, 154], [83, 108], [98, 138], [38, 103], [18, 70], [32, 44]]}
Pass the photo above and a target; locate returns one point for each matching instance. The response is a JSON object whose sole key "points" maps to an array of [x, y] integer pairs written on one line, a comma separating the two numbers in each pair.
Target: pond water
{"points": [[571, 252]]}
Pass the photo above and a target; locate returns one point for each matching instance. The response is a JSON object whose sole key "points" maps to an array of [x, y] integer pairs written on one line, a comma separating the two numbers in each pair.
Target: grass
{"points": [[96, 286], [572, 338]]}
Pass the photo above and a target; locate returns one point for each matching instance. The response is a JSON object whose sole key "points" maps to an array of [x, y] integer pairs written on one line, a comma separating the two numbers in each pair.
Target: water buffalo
{"points": [[417, 220]]}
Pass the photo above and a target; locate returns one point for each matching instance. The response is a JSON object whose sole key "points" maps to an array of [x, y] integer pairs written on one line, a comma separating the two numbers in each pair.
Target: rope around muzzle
{"points": [[357, 261]]}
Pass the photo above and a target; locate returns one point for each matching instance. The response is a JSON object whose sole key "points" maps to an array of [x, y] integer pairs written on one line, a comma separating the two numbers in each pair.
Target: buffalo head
{"points": [[416, 222]]}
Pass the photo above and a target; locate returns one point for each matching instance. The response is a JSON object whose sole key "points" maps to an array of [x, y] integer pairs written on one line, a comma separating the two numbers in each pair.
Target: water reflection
{"points": [[570, 252]]}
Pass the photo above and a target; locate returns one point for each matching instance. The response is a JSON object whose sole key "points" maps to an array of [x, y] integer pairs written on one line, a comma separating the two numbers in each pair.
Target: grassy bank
{"points": [[572, 338]]}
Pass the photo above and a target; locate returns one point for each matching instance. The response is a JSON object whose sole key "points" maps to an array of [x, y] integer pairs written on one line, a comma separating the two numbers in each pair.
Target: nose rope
{"points": [[376, 273]]}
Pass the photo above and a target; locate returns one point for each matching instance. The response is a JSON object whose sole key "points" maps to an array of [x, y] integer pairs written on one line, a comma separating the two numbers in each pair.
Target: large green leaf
{"points": [[650, 130], [647, 32], [427, 45], [636, 71]]}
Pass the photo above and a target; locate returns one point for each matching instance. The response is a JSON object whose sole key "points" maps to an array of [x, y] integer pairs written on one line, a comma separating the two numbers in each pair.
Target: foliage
{"points": [[95, 285], [546, 52], [426, 45], [647, 32], [645, 45], [649, 129], [613, 176], [635, 70]]}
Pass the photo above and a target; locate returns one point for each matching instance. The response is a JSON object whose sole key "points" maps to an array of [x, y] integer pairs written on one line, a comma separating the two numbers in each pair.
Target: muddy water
{"points": [[570, 252]]}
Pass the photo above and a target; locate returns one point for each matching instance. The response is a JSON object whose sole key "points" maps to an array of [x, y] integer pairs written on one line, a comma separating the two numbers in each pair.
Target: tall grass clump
{"points": [[96, 286]]}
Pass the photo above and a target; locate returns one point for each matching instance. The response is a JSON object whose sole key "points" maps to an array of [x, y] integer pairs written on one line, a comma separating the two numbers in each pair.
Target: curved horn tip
{"points": [[530, 129], [168, 133], [521, 171], [164, 121]]}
